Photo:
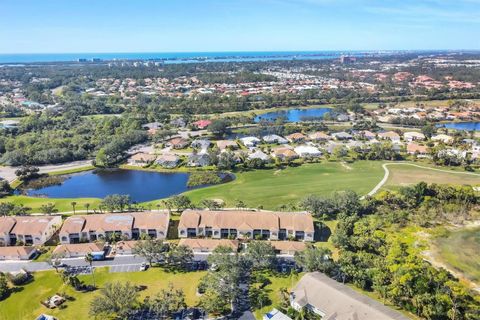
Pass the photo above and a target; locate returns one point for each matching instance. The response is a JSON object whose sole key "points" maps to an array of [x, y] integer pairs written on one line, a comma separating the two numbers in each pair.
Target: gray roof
{"points": [[338, 301]]}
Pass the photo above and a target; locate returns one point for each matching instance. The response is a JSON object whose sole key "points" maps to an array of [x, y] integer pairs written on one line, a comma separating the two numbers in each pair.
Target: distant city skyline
{"points": [[108, 26]]}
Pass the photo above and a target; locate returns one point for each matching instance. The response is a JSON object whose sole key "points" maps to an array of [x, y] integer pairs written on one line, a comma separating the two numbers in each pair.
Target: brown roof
{"points": [[126, 245], [31, 225], [78, 248], [178, 141], [115, 222], [16, 251], [246, 220], [6, 224], [223, 144], [288, 245], [208, 244], [143, 157], [167, 157], [285, 152], [295, 136], [416, 148], [389, 134], [320, 136]]}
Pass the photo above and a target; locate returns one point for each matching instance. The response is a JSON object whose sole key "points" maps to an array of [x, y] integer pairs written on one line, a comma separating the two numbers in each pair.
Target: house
{"points": [[288, 247], [307, 151], [127, 226], [76, 250], [284, 153], [365, 134], [342, 135], [413, 148], [29, 230], [443, 138], [273, 138], [226, 144], [235, 224], [168, 160], [296, 137], [178, 143], [343, 118], [250, 142], [274, 314], [259, 154], [198, 160], [17, 253], [125, 246], [389, 135], [333, 300], [152, 127], [208, 245], [201, 144], [319, 136], [141, 159], [202, 124], [178, 122], [413, 136]]}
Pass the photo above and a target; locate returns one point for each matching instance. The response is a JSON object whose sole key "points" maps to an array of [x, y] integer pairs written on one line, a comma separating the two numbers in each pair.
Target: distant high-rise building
{"points": [[347, 59]]}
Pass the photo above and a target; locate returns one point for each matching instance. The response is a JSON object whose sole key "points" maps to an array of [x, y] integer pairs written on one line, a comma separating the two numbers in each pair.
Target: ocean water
{"points": [[183, 57]]}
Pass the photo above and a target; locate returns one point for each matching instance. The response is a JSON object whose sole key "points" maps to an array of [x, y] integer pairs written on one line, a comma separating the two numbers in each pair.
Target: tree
{"points": [[239, 204], [260, 254], [212, 204], [89, 260], [214, 303], [219, 128], [179, 257], [55, 260], [115, 299], [315, 259], [116, 202], [48, 208], [27, 173], [5, 188], [180, 202], [258, 298], [73, 203], [151, 249], [226, 161], [167, 302], [222, 257], [4, 290], [87, 205], [6, 208]]}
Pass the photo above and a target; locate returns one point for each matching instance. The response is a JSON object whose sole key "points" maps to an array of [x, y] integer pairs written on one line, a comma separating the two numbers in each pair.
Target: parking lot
{"points": [[78, 270]]}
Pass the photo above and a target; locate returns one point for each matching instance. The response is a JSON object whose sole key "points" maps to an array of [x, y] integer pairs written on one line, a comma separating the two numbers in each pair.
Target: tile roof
{"points": [[208, 244]]}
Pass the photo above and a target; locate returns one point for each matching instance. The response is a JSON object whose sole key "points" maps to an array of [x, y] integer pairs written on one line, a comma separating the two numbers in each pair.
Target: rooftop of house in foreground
{"points": [[339, 302]]}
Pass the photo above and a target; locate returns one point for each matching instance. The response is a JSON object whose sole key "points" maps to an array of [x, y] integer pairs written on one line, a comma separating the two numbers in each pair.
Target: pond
{"points": [[140, 185], [294, 115], [469, 126]]}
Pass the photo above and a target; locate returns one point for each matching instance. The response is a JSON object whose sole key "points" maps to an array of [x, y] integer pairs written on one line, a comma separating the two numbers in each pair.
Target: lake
{"points": [[293, 115], [469, 126], [140, 185]]}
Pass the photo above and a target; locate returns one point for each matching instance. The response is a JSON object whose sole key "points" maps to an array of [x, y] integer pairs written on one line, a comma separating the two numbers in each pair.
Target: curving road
{"points": [[387, 174]]}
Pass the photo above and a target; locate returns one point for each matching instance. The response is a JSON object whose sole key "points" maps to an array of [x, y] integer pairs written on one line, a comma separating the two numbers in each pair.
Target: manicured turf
{"points": [[402, 175], [273, 188], [25, 304], [466, 260], [63, 205], [273, 290]]}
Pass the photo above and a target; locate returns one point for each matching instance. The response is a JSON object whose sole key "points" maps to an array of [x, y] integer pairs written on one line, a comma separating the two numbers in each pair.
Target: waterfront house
{"points": [[168, 161], [259, 154], [284, 153], [203, 144], [442, 138], [332, 300], [141, 159], [239, 224], [227, 144], [29, 230], [389, 135], [342, 135], [126, 226], [198, 160]]}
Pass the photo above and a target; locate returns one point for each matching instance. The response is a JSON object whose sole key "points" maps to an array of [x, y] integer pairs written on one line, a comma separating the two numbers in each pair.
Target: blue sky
{"points": [[48, 26]]}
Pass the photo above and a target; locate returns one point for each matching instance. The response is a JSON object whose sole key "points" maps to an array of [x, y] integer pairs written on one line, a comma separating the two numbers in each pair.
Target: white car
{"points": [[143, 267]]}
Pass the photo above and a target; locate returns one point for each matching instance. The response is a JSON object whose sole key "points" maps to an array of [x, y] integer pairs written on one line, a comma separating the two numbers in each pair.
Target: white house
{"points": [[30, 230], [273, 138], [307, 151], [250, 142], [413, 136]]}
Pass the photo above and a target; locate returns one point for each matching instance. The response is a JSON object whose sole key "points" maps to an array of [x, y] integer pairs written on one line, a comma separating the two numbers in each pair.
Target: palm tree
{"points": [[87, 205], [89, 260], [73, 203], [158, 207]]}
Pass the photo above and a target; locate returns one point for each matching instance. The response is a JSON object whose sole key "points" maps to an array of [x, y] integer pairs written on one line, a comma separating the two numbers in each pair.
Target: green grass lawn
{"points": [[62, 204], [467, 260], [25, 303], [273, 289], [273, 188]]}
